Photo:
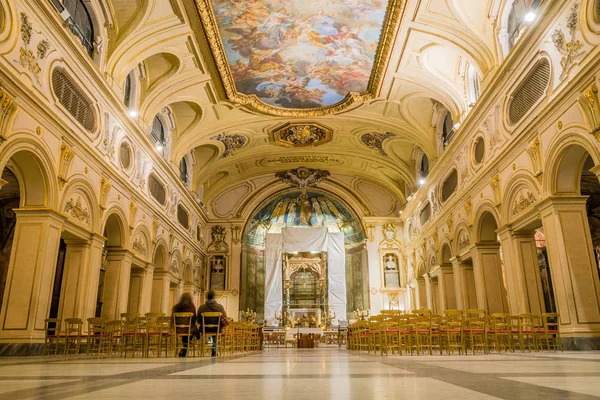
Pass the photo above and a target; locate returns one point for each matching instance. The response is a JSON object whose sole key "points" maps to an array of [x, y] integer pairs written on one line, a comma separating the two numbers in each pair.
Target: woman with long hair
{"points": [[185, 304]]}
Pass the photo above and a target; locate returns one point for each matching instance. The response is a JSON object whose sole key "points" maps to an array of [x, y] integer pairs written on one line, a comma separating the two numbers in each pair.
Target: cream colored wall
{"points": [[59, 163], [520, 159]]}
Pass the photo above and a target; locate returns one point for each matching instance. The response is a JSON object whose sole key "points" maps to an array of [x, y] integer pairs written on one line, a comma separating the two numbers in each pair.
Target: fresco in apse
{"points": [[303, 208], [300, 53]]}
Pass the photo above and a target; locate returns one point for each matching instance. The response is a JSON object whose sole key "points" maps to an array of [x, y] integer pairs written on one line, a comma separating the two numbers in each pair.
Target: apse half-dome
{"points": [[310, 208], [300, 58]]}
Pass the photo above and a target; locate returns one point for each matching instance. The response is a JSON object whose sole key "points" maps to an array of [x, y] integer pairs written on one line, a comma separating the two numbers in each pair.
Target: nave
{"points": [[324, 373]]}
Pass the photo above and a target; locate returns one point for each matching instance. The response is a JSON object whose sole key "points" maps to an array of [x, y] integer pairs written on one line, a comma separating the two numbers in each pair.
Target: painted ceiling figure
{"points": [[305, 210]]}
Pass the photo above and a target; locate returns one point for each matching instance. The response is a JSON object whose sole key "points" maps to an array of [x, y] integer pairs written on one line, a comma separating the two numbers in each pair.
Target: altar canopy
{"points": [[304, 239]]}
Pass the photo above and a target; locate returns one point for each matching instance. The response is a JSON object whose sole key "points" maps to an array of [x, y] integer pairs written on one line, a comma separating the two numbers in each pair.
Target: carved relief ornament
{"points": [[66, 159], [77, 210], [303, 177], [523, 201], [591, 106]]}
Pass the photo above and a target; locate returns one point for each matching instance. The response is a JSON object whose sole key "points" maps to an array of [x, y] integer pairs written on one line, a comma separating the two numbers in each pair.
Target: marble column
{"points": [[116, 283], [428, 292], [572, 265], [146, 297], [30, 275], [489, 283], [459, 285], [161, 283], [80, 278], [524, 288]]}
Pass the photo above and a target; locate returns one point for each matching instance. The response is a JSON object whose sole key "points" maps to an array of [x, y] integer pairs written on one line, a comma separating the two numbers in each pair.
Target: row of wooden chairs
{"points": [[154, 334], [423, 332]]}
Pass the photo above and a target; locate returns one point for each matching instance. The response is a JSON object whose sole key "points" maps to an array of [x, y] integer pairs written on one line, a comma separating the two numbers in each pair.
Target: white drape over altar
{"points": [[301, 239]]}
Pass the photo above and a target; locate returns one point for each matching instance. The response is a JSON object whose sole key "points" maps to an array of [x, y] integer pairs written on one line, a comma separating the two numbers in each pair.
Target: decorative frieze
{"points": [[303, 159]]}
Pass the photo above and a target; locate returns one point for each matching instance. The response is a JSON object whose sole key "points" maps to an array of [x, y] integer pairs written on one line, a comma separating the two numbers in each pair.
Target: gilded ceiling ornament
{"points": [[303, 177], [570, 50], [374, 140], [76, 209], [231, 142], [302, 135], [298, 60]]}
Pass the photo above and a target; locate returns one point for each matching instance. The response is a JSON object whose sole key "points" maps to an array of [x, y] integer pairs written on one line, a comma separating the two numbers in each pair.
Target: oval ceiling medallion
{"points": [[296, 59]]}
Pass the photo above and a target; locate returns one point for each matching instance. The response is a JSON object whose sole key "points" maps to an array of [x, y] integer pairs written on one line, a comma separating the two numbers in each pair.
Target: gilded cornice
{"points": [[389, 31]]}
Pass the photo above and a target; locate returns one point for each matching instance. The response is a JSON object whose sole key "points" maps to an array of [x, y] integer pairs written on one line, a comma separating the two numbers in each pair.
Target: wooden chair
{"points": [[182, 329], [98, 340], [474, 333], [73, 328], [453, 331], [549, 332], [211, 320], [114, 329], [52, 337], [522, 331], [498, 333]]}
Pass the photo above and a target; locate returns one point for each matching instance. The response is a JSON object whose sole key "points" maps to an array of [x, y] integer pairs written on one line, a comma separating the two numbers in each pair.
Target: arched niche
{"points": [[114, 230], [310, 208], [158, 258]]}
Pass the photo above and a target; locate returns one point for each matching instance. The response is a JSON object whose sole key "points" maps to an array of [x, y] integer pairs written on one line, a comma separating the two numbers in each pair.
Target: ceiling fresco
{"points": [[299, 54], [308, 208]]}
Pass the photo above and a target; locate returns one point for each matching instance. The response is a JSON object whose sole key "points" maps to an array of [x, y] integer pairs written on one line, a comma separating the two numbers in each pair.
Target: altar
{"points": [[294, 335], [305, 274]]}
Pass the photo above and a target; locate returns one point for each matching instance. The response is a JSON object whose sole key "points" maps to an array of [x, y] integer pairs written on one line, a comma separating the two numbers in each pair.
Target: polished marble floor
{"points": [[326, 373]]}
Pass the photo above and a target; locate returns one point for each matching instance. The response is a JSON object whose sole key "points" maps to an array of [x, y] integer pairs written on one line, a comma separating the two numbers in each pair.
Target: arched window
{"points": [[78, 20], [517, 19], [424, 167], [447, 130], [158, 135], [183, 171], [128, 99]]}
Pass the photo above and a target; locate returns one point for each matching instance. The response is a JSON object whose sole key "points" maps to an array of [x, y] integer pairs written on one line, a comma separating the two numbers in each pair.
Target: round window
{"points": [[479, 150]]}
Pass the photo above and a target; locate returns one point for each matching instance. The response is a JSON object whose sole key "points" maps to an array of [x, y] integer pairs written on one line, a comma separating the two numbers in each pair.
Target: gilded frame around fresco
{"points": [[390, 29]]}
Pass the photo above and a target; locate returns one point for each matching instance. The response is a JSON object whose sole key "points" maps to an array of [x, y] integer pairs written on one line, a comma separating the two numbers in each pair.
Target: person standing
{"points": [[211, 305], [185, 304]]}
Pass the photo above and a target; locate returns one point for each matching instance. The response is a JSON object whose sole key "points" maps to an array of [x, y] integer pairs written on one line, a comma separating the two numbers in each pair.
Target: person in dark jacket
{"points": [[211, 305], [186, 305]]}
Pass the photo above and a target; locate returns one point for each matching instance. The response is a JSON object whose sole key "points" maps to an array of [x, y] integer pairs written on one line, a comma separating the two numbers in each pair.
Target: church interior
{"points": [[387, 198]]}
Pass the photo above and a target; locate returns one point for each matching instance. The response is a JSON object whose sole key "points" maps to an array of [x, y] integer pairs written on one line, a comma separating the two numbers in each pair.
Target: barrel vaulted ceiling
{"points": [[244, 118]]}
